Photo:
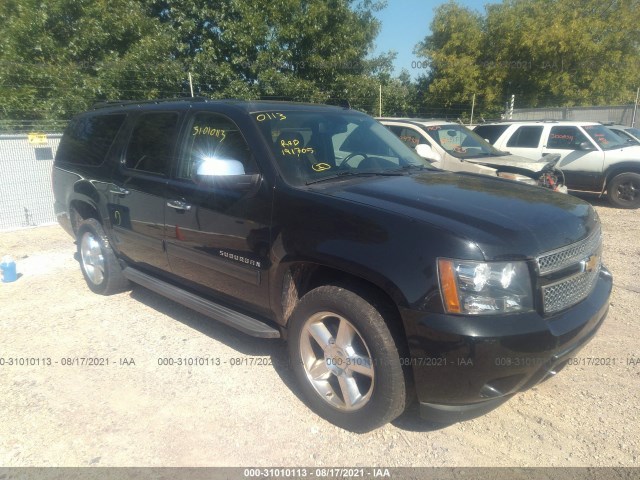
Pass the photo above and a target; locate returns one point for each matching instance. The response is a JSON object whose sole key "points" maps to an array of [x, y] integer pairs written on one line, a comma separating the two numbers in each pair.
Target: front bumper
{"points": [[466, 366]]}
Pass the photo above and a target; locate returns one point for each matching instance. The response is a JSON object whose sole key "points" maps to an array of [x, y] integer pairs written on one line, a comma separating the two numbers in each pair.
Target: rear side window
{"points": [[526, 137], [152, 142], [87, 140], [490, 133]]}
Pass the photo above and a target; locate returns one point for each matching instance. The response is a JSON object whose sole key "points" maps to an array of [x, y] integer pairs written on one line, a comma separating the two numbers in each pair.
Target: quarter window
{"points": [[87, 140], [526, 137], [152, 141]]}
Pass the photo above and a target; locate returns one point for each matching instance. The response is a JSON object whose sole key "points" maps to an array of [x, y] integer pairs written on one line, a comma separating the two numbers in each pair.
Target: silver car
{"points": [[454, 147]]}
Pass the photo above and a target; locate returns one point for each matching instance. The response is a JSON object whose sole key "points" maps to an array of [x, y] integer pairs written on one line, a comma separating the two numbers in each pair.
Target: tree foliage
{"points": [[60, 56], [546, 52]]}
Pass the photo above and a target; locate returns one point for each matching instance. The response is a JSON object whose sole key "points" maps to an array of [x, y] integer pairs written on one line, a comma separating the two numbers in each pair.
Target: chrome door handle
{"points": [[119, 191], [178, 205]]}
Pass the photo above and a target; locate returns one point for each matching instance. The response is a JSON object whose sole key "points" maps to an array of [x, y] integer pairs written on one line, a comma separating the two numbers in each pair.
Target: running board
{"points": [[249, 325]]}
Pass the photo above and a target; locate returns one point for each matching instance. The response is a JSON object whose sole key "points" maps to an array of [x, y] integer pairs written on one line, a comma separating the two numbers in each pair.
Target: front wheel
{"points": [[346, 359], [623, 190], [98, 262]]}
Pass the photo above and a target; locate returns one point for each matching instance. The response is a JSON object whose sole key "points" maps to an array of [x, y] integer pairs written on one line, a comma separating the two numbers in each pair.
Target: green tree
{"points": [[61, 56], [575, 52], [399, 95], [454, 51], [546, 52], [312, 50]]}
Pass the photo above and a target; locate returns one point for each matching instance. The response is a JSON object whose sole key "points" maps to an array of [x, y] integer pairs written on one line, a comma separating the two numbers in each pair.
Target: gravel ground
{"points": [[135, 412]]}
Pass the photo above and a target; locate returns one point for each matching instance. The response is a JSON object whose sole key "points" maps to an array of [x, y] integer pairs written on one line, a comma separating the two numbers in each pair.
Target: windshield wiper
{"points": [[348, 173], [409, 166]]}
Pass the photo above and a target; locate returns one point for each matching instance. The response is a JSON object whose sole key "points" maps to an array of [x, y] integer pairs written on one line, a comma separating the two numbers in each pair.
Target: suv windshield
{"points": [[461, 142], [311, 146], [605, 138]]}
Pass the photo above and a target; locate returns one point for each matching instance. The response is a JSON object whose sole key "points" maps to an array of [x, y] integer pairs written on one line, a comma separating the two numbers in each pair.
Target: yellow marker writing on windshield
{"points": [[321, 167]]}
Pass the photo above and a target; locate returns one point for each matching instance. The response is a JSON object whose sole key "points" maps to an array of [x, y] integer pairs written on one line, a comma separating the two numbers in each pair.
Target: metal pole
{"points": [[513, 101], [635, 109], [380, 110], [473, 104], [190, 84]]}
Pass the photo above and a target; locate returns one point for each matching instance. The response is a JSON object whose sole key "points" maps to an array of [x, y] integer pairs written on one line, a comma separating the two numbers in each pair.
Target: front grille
{"points": [[569, 291], [556, 260], [582, 261]]}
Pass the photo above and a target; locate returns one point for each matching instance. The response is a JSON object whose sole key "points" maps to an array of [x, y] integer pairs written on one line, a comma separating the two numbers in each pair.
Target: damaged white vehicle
{"points": [[453, 147]]}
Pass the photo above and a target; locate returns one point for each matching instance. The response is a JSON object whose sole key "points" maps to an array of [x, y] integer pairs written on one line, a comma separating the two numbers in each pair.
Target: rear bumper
{"points": [[464, 367]]}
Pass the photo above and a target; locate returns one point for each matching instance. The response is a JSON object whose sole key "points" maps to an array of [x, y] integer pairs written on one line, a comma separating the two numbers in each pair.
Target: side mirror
{"points": [[225, 173], [586, 146], [211, 167], [425, 152]]}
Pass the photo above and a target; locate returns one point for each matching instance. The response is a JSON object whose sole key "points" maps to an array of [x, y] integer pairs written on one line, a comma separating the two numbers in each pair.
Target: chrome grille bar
{"points": [[560, 258], [568, 291]]}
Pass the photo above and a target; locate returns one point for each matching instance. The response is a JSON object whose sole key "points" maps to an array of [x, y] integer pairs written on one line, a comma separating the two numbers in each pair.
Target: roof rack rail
{"points": [[122, 103]]}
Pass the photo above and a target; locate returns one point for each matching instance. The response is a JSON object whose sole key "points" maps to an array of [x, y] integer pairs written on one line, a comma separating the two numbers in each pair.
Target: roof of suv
{"points": [[418, 121], [538, 122], [248, 106]]}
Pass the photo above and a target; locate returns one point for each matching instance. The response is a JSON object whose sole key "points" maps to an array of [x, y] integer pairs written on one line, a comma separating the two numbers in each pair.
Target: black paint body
{"points": [[387, 231]]}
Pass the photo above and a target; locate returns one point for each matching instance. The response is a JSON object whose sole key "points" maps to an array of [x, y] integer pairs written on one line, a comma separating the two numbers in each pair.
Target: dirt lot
{"points": [[135, 412]]}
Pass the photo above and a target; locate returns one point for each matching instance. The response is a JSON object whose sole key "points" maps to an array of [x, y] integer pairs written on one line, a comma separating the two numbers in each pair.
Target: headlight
{"points": [[517, 178], [482, 288]]}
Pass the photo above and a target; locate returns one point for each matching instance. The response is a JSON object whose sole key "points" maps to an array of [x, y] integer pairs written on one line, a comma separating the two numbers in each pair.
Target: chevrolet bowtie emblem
{"points": [[590, 264]]}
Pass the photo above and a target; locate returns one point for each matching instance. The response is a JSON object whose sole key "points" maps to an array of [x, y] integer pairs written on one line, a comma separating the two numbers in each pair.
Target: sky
{"points": [[405, 23]]}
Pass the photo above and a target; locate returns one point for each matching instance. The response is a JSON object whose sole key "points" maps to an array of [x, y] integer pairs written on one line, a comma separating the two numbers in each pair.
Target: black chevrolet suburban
{"points": [[391, 280]]}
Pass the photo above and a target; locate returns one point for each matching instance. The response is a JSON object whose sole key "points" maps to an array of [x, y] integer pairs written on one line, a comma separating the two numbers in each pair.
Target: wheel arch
{"points": [[301, 277], [81, 209], [84, 203], [618, 168]]}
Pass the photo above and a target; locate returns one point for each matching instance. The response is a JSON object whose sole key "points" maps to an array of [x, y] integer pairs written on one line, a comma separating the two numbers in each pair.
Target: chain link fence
{"points": [[622, 114], [26, 197]]}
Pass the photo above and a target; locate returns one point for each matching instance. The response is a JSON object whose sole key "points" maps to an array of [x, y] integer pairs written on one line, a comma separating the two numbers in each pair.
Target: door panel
{"points": [[138, 192], [582, 168], [218, 237]]}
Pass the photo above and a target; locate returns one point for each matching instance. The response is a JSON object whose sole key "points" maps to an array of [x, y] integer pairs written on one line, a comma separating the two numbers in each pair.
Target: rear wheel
{"points": [[98, 262], [623, 190], [346, 360]]}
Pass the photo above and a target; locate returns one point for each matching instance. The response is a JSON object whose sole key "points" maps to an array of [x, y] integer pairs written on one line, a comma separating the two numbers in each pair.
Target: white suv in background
{"points": [[630, 134], [451, 146], [593, 158]]}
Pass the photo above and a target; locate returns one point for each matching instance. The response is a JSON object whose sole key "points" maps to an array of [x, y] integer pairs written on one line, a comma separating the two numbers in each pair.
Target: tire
{"points": [[98, 262], [345, 359], [623, 190]]}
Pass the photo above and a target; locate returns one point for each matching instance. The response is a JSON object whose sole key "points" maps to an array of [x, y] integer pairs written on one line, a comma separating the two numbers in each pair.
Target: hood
{"points": [[504, 219], [514, 161], [632, 151]]}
